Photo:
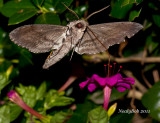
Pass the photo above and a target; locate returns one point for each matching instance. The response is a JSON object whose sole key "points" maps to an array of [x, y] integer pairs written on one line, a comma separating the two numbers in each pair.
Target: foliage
{"points": [[21, 70]]}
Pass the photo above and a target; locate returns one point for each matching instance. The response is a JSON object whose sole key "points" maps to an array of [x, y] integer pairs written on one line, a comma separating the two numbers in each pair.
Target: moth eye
{"points": [[79, 25]]}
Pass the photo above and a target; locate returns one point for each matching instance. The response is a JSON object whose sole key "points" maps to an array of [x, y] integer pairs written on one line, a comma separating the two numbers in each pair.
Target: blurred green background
{"points": [[22, 70]]}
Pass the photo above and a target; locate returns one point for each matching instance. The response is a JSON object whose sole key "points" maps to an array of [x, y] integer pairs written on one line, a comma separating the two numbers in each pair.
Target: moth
{"points": [[78, 36]]}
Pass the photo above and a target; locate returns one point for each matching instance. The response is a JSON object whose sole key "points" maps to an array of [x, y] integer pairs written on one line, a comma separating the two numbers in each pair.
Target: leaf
{"points": [[151, 101], [28, 94], [151, 44], [121, 118], [156, 19], [153, 6], [4, 114], [59, 7], [53, 98], [24, 58], [48, 18], [80, 10], [134, 14], [3, 80], [2, 35], [15, 111], [81, 112], [98, 115], [38, 3], [41, 91], [119, 11], [126, 2], [23, 15], [1, 4], [12, 7], [61, 117]]}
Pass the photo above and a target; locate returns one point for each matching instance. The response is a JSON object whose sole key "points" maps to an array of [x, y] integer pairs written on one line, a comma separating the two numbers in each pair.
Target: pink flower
{"points": [[117, 81], [14, 97], [107, 83]]}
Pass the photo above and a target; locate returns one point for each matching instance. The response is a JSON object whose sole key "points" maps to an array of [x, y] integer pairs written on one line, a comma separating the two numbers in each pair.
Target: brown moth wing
{"points": [[108, 33], [39, 38], [57, 55]]}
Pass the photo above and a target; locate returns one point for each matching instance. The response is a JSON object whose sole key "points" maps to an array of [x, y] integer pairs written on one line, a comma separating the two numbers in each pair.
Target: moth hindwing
{"points": [[77, 35]]}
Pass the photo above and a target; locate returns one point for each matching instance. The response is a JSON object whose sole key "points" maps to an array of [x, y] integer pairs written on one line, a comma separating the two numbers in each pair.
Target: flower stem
{"points": [[107, 92]]}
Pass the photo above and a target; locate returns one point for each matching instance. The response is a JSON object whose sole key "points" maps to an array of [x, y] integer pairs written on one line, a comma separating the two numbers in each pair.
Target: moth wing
{"points": [[108, 34], [57, 54], [39, 38]]}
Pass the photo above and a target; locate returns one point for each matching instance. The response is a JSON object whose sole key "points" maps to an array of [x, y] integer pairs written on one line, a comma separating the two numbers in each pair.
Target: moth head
{"points": [[79, 25]]}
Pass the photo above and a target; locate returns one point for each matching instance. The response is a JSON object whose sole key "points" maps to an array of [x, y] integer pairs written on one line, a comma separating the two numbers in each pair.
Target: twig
{"points": [[133, 99], [137, 59], [137, 94], [104, 56], [156, 75], [137, 84], [145, 79]]}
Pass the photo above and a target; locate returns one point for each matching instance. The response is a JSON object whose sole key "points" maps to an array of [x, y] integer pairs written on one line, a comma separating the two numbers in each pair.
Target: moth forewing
{"points": [[39, 38]]}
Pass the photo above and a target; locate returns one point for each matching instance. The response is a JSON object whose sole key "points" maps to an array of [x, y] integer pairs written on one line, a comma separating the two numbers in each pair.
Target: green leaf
{"points": [[134, 14], [12, 7], [121, 118], [4, 114], [48, 18], [59, 7], [119, 11], [80, 10], [1, 4], [22, 16], [15, 111], [98, 115], [38, 3], [116, 94], [24, 58], [53, 98], [153, 6], [3, 80], [151, 101], [28, 94], [126, 2], [2, 35], [41, 91], [156, 19], [81, 112], [151, 44], [61, 117]]}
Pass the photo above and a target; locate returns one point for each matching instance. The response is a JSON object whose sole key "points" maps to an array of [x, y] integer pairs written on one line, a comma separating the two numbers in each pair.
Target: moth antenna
{"points": [[71, 11], [97, 12]]}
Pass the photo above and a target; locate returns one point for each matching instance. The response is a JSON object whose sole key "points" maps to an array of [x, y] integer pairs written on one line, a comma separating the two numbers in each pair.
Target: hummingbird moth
{"points": [[77, 35]]}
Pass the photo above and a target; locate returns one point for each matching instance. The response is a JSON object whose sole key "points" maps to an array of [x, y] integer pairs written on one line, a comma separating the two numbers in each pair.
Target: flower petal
{"points": [[100, 80], [83, 84], [92, 87], [126, 85], [121, 89]]}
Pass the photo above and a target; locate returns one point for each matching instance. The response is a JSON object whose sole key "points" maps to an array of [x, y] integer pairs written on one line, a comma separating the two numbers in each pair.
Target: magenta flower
{"points": [[14, 97], [107, 83]]}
